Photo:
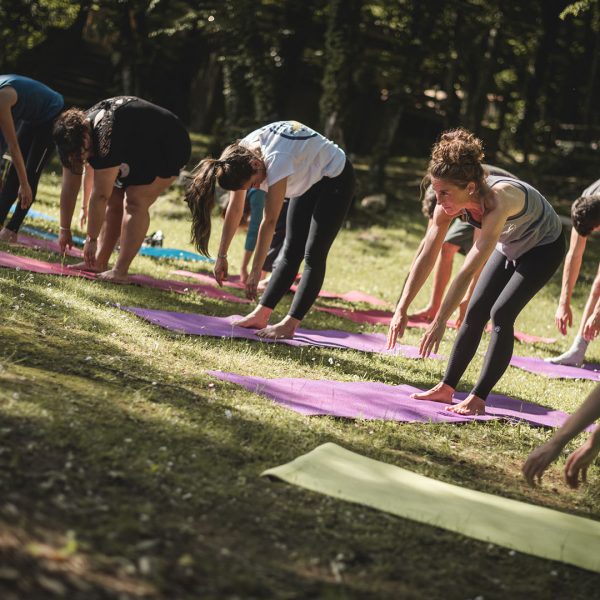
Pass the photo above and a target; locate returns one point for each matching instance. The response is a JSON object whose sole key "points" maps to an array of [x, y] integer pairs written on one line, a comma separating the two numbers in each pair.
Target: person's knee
{"points": [[136, 204], [449, 250], [502, 316]]}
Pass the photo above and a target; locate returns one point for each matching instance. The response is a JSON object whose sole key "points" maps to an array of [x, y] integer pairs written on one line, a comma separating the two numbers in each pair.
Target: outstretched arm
{"points": [[273, 203], [578, 462], [564, 315], [421, 267], [233, 216], [71, 182], [8, 98]]}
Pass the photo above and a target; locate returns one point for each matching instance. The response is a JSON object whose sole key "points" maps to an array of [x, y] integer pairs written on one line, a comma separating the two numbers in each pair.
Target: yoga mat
{"points": [[45, 244], [542, 532], [153, 251], [384, 317], [24, 263], [371, 400], [234, 281], [197, 324], [541, 367], [35, 214]]}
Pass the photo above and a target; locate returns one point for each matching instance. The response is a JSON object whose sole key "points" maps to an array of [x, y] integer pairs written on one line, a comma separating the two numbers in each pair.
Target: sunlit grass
{"points": [[114, 437]]}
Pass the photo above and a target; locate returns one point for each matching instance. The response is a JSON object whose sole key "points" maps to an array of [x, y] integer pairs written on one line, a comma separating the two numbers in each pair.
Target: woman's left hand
{"points": [[591, 327], [430, 342], [252, 284]]}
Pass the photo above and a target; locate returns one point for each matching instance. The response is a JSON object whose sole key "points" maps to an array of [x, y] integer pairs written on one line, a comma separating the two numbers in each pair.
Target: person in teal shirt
{"points": [[28, 110]]}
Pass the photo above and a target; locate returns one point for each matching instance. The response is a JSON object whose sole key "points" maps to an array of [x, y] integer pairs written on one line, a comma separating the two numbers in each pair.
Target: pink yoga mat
{"points": [[383, 317], [24, 263], [234, 281], [541, 367], [49, 245], [196, 324], [369, 400]]}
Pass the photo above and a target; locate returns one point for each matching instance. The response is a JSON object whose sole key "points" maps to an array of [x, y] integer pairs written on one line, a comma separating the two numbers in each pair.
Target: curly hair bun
{"points": [[457, 156]]}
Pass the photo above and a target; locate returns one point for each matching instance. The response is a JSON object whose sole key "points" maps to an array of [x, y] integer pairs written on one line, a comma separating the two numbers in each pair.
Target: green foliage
{"points": [[25, 23]]}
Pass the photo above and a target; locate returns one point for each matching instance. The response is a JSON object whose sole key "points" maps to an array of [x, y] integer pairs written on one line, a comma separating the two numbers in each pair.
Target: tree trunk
{"points": [[551, 10], [340, 48]]}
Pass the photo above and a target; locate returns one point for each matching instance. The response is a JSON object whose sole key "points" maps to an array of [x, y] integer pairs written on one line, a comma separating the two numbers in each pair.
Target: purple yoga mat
{"points": [[541, 367], [196, 324], [370, 400]]}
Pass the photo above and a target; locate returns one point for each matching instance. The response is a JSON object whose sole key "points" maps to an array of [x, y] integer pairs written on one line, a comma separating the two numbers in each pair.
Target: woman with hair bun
{"points": [[521, 245], [285, 159]]}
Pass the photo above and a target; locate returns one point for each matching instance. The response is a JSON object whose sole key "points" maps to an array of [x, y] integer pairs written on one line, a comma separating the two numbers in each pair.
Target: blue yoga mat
{"points": [[37, 215], [153, 251]]}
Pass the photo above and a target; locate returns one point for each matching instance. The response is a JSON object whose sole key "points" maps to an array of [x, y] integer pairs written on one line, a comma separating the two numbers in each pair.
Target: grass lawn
{"points": [[127, 472]]}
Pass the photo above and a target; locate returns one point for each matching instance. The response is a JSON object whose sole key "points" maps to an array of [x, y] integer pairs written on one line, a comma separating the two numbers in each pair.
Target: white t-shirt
{"points": [[290, 149]]}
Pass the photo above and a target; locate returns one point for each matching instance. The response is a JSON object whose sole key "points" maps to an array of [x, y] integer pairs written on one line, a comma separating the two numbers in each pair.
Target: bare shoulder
{"points": [[8, 96], [508, 198]]}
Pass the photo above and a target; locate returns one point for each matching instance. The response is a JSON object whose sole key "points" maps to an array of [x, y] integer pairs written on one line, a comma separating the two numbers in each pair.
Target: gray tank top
{"points": [[591, 190], [536, 225]]}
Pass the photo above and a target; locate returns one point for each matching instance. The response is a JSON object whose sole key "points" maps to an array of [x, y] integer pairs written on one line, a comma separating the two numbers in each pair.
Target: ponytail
{"points": [[232, 170], [200, 197]]}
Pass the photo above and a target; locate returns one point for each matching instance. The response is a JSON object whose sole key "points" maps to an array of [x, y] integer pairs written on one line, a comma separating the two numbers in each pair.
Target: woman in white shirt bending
{"points": [[286, 159]]}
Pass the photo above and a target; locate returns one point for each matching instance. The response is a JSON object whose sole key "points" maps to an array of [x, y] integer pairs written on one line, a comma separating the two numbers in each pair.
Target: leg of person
{"points": [[134, 226], [25, 135], [275, 248], [109, 234], [333, 200], [278, 238], [575, 355], [299, 215], [443, 272], [492, 281], [37, 156], [533, 271]]}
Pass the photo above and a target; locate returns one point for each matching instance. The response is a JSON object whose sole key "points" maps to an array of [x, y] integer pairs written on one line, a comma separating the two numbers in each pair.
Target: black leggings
{"points": [[36, 147], [503, 290], [313, 222], [278, 238]]}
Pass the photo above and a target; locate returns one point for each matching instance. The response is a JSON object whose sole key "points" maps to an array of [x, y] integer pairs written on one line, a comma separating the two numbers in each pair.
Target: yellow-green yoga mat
{"points": [[335, 471]]}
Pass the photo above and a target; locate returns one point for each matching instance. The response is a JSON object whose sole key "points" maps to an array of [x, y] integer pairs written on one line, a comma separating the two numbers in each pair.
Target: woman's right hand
{"points": [[592, 327], [539, 459], [220, 270], [82, 218], [397, 327], [89, 252], [563, 318], [65, 240]]}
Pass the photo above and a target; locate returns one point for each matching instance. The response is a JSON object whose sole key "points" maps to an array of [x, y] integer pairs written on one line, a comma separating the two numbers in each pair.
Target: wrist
{"points": [[222, 256], [89, 238], [64, 228]]}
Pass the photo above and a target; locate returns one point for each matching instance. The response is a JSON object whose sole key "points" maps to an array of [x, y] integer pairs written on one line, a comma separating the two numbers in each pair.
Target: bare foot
{"points": [[113, 276], [284, 330], [263, 283], [439, 393], [471, 405], [7, 235], [426, 314], [257, 319], [81, 266]]}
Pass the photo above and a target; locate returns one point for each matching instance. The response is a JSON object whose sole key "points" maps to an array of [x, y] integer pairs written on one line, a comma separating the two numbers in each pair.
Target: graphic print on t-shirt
{"points": [[292, 130]]}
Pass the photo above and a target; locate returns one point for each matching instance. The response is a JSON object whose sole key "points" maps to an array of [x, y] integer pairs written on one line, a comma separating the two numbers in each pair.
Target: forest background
{"points": [[381, 78]]}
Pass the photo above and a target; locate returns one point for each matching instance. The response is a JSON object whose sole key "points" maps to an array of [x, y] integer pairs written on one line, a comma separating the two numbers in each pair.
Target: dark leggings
{"points": [[501, 293], [278, 238], [36, 147], [313, 222]]}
